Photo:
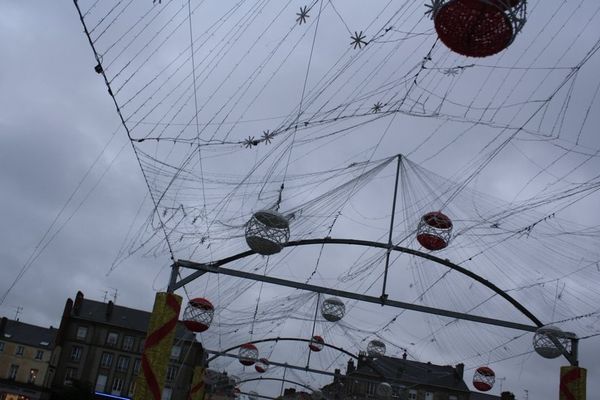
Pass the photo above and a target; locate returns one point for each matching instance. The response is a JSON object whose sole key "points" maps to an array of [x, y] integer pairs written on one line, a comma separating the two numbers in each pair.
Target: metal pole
{"points": [[173, 279], [313, 328], [283, 380], [389, 249]]}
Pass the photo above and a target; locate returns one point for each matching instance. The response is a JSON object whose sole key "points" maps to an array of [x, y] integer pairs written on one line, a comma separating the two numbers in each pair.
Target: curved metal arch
{"points": [[277, 339], [368, 243]]}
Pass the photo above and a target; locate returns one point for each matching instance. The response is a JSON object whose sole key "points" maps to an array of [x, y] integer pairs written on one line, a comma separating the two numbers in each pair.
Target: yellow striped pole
{"points": [[197, 388], [573, 383]]}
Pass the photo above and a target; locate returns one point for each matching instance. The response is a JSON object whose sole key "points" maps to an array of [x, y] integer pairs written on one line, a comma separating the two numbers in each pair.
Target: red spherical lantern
{"points": [[434, 231], [316, 343], [248, 354], [262, 365], [484, 379], [198, 314], [476, 28]]}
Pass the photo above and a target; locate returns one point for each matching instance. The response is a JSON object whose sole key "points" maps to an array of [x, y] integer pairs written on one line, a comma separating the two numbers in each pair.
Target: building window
{"points": [[1, 346], [166, 393], [175, 352], [39, 355], [132, 388], [20, 350], [371, 389], [12, 372], [136, 366], [112, 338], [76, 353], [70, 375], [33, 373], [172, 372], [412, 395], [128, 342], [106, 360], [428, 396], [117, 386], [122, 363], [101, 382], [82, 332]]}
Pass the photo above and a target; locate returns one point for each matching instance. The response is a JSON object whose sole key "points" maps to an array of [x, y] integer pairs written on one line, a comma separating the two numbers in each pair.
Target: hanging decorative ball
{"points": [[316, 343], [434, 231], [248, 354], [478, 28], [376, 348], [384, 390], [262, 365], [544, 345], [333, 309], [484, 379], [236, 392], [267, 232], [198, 314], [252, 395]]}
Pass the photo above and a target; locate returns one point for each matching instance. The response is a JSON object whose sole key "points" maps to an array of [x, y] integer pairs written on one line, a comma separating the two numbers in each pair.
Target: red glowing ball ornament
{"points": [[484, 379], [248, 354], [198, 314], [316, 343], [434, 231]]}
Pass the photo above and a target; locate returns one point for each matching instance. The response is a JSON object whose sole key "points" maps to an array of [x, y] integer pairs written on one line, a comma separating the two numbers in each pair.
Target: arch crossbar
{"points": [[215, 267]]}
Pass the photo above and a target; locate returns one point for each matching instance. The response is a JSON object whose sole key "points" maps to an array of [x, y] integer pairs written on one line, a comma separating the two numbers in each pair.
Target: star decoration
{"points": [[433, 8], [302, 15], [358, 40], [451, 71], [376, 107], [250, 142], [267, 136]]}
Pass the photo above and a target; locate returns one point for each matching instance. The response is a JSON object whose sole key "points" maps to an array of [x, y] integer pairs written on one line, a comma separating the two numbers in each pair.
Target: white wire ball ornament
{"points": [[434, 231], [384, 390], [545, 346], [316, 343], [333, 309], [267, 232], [376, 348], [262, 365], [248, 354], [478, 28], [198, 314], [484, 379]]}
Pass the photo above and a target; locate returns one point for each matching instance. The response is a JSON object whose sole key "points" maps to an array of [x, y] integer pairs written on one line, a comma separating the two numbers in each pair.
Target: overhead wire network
{"points": [[237, 108]]}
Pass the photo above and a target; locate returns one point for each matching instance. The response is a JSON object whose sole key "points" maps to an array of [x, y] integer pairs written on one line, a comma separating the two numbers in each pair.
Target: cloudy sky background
{"points": [[60, 132]]}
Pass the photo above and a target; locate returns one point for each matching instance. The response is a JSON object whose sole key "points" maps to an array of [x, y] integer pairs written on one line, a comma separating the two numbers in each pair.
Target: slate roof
{"points": [[29, 335], [397, 369], [122, 317]]}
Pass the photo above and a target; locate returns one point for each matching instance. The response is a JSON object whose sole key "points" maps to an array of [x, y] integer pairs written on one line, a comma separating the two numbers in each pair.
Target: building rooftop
{"points": [[27, 334]]}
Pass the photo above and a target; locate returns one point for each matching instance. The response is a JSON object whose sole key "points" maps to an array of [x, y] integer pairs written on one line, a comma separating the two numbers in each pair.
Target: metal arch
{"points": [[277, 339], [366, 243], [260, 378]]}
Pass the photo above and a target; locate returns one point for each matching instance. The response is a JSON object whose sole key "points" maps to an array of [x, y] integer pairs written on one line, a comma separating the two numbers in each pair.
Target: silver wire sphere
{"points": [[333, 309], [546, 339], [376, 348], [267, 232], [384, 390]]}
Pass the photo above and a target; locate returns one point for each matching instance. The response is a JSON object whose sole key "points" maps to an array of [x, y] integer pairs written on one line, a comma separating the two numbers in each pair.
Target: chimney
{"points": [[460, 371], [3, 323], [336, 376], [64, 322], [350, 367], [109, 309], [507, 396], [404, 355], [78, 302]]}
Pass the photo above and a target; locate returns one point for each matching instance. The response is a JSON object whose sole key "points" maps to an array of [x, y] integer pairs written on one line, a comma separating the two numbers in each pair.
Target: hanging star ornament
{"points": [[433, 8], [267, 136], [250, 142], [358, 40], [302, 15], [451, 71], [376, 107]]}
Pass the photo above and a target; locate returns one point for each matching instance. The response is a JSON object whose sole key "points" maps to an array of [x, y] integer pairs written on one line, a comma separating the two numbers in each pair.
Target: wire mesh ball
{"points": [[484, 379], [478, 28], [198, 314], [333, 309], [248, 354], [543, 344], [267, 232], [252, 395], [316, 343], [384, 390], [434, 231], [376, 348], [262, 365]]}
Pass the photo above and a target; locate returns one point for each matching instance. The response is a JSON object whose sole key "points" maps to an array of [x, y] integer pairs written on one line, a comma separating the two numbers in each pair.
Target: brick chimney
{"points": [[3, 323], [78, 302], [64, 321], [460, 371], [109, 310], [507, 396], [351, 368]]}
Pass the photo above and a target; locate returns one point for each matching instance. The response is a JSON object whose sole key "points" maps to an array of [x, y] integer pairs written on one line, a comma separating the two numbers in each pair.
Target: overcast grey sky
{"points": [[59, 131]]}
